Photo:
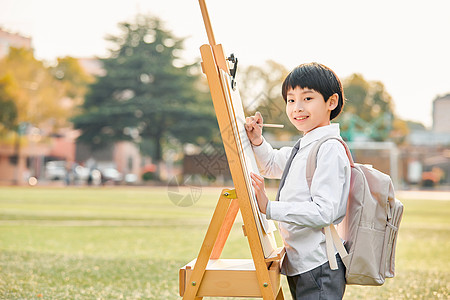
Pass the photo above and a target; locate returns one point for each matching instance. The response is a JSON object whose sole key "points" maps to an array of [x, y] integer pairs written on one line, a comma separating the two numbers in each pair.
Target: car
{"points": [[111, 174], [131, 178], [55, 170], [81, 173]]}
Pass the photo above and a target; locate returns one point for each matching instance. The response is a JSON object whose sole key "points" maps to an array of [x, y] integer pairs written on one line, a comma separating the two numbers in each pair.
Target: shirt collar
{"points": [[318, 133]]}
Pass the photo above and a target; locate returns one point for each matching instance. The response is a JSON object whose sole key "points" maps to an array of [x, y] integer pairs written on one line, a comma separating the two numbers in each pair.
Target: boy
{"points": [[314, 96]]}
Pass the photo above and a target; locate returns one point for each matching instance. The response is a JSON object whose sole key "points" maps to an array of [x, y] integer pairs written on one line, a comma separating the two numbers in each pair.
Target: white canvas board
{"points": [[246, 155]]}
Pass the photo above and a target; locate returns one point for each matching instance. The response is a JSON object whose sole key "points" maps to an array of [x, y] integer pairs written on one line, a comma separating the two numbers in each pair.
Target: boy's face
{"points": [[307, 109]]}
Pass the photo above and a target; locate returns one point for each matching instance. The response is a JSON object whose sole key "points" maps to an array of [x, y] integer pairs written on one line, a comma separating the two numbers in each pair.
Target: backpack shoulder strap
{"points": [[311, 163], [331, 235]]}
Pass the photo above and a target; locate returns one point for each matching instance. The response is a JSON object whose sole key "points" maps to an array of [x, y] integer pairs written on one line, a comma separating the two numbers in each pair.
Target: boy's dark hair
{"points": [[317, 77]]}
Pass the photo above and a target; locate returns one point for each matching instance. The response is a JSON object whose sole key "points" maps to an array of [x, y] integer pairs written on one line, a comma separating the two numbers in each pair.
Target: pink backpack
{"points": [[370, 226]]}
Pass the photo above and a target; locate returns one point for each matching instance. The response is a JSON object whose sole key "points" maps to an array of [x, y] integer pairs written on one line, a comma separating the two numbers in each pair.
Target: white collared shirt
{"points": [[302, 212]]}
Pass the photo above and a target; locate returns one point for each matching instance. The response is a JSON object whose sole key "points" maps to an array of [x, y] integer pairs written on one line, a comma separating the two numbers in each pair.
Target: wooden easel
{"points": [[208, 275]]}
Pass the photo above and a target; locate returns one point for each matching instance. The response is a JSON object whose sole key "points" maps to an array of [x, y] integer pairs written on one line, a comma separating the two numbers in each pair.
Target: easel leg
{"points": [[214, 228], [225, 229], [280, 295]]}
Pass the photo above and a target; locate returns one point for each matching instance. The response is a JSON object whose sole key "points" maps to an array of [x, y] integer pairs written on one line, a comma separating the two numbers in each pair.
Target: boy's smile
{"points": [[307, 108]]}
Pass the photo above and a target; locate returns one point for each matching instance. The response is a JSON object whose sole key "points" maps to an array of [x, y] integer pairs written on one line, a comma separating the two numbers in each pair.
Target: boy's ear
{"points": [[333, 101]]}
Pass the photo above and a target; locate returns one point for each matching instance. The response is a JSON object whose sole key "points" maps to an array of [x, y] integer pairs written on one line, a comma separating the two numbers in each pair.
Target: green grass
{"points": [[128, 243]]}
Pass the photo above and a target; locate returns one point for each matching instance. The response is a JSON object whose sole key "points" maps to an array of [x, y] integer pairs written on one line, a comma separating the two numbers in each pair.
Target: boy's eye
{"points": [[290, 100], [308, 98]]}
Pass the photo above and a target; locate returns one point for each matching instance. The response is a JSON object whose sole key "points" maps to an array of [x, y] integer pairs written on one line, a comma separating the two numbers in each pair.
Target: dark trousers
{"points": [[319, 283]]}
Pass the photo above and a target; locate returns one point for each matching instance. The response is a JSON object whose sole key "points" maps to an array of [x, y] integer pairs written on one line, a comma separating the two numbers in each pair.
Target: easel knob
{"points": [[230, 194]]}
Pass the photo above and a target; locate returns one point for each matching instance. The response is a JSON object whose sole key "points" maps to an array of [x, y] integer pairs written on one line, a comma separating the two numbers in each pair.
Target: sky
{"points": [[403, 44]]}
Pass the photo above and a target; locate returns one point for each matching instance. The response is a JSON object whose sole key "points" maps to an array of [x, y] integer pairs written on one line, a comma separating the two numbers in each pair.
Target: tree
{"points": [[260, 89], [147, 95], [369, 110], [8, 109], [73, 78], [36, 94], [30, 96]]}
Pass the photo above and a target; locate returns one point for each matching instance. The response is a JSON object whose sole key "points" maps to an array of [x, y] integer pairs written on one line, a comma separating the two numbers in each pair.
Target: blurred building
{"points": [[45, 155], [123, 158], [439, 135], [8, 40], [441, 110], [426, 157]]}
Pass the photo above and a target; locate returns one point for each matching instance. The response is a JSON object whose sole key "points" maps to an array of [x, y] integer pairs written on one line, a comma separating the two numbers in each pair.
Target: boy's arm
{"points": [[328, 202], [271, 162]]}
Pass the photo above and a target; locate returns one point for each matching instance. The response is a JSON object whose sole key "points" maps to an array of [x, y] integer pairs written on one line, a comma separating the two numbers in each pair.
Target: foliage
{"points": [[111, 243], [369, 110], [260, 89], [266, 79], [73, 77], [148, 176], [36, 94], [400, 130], [147, 93], [31, 93], [8, 109]]}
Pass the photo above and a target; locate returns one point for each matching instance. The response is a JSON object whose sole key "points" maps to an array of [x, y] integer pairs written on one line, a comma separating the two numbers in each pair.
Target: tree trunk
{"points": [[18, 171], [158, 153]]}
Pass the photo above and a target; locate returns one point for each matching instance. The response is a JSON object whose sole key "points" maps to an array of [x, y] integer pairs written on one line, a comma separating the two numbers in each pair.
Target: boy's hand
{"points": [[260, 191], [253, 126]]}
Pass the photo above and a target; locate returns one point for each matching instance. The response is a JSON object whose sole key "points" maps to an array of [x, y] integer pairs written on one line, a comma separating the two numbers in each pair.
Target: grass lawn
{"points": [[128, 243]]}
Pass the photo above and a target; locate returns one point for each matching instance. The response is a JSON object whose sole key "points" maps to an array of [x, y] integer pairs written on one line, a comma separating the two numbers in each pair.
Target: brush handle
{"points": [[274, 125]]}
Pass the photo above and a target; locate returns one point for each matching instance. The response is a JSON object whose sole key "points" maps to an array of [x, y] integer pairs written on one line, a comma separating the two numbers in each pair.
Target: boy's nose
{"points": [[298, 107]]}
